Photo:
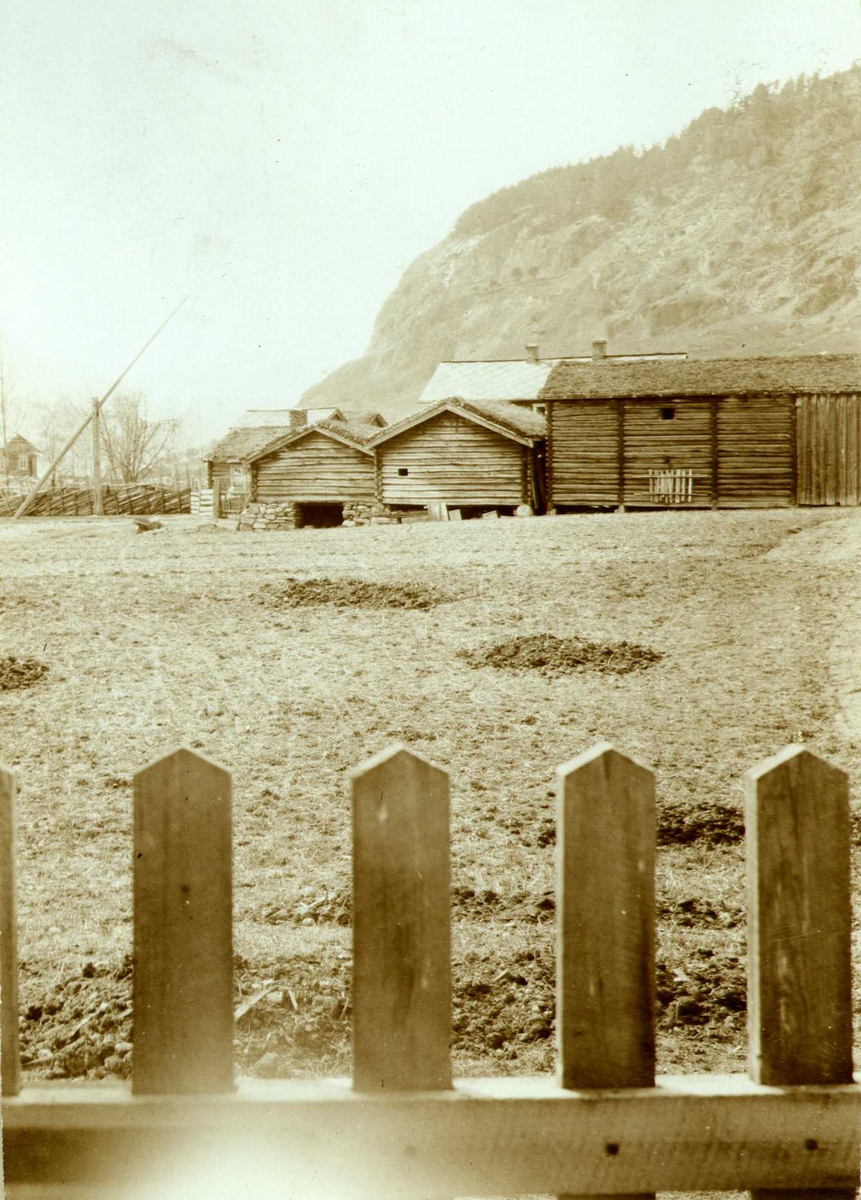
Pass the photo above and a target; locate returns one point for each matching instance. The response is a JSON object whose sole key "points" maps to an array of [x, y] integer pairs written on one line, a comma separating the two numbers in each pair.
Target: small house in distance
{"points": [[310, 473], [720, 433], [471, 455], [18, 459]]}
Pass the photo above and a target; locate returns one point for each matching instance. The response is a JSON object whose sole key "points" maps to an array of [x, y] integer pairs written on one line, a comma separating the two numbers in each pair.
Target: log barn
{"points": [[467, 454], [318, 468], [720, 433]]}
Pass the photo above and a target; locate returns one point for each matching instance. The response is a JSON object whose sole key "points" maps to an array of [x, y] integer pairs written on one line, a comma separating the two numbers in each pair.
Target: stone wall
{"points": [[283, 514], [368, 512]]}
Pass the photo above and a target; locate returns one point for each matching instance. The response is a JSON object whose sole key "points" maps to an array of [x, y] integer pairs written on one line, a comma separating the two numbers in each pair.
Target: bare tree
{"points": [[132, 440], [57, 422]]}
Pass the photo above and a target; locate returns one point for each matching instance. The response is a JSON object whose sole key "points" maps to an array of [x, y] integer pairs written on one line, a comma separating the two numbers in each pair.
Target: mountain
{"points": [[741, 235]]}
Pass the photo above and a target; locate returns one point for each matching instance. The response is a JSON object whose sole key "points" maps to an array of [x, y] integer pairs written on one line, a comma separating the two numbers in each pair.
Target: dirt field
{"points": [[697, 642]]}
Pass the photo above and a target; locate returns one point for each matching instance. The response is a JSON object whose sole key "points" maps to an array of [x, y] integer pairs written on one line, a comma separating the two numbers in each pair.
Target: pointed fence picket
{"points": [[606, 1126]]}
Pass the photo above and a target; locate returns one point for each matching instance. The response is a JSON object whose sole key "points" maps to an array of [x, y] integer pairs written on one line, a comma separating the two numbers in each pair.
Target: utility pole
{"points": [[98, 511], [31, 496]]}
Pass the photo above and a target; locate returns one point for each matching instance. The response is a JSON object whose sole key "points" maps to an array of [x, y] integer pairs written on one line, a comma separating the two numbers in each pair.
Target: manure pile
{"points": [[19, 672], [552, 655], [348, 593]]}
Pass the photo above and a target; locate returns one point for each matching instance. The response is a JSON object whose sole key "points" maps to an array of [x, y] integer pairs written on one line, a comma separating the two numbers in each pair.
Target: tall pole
{"points": [[31, 496], [98, 511]]}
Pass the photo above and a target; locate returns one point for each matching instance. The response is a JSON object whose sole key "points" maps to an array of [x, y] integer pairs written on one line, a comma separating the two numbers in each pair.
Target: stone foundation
{"points": [[368, 512], [282, 514]]}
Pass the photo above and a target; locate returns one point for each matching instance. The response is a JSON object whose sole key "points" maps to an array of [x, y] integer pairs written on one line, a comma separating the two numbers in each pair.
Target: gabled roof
{"points": [[246, 441], [509, 379], [520, 424], [811, 373], [356, 436], [241, 444], [19, 445]]}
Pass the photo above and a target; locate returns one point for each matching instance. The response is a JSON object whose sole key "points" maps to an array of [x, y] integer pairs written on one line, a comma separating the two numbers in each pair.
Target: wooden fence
{"points": [[605, 1125], [134, 499]]}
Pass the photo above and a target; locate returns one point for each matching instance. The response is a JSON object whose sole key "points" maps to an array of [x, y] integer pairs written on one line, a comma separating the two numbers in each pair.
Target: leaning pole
{"points": [[97, 407]]}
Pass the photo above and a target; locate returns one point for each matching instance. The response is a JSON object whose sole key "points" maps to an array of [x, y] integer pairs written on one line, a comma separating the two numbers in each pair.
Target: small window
{"points": [[667, 414], [403, 470]]}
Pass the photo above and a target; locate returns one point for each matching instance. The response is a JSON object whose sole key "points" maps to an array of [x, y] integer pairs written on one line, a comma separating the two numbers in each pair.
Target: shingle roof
{"points": [[509, 379], [706, 377], [508, 418]]}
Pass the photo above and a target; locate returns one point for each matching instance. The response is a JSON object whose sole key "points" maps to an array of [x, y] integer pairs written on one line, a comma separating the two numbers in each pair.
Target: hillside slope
{"points": [[740, 236]]}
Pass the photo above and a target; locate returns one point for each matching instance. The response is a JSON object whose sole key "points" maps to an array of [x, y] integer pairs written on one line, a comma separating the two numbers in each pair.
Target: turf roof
{"points": [[509, 418], [813, 373]]}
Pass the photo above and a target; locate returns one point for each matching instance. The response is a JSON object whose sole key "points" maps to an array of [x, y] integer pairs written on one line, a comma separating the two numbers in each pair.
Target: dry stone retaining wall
{"points": [[368, 512], [282, 514]]}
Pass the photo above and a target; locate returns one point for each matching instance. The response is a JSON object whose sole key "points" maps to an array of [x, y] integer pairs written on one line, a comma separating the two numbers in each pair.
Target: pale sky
{"points": [[284, 163]]}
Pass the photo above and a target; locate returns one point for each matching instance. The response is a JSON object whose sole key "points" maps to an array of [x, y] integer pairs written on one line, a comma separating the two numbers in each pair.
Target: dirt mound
{"points": [[19, 672], [552, 655], [713, 824], [348, 593], [81, 1026]]}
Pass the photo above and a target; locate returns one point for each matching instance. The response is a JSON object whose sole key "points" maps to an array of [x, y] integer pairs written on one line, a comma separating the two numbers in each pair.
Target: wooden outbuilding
{"points": [[721, 433], [318, 468], [18, 458], [467, 454]]}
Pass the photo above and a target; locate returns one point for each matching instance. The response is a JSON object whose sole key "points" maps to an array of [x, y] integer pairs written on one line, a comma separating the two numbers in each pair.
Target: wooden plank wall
{"points": [[317, 468], [450, 458], [654, 444], [585, 452], [755, 451], [829, 449]]}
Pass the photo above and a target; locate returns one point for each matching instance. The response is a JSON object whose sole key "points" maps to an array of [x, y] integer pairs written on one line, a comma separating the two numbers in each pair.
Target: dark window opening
{"points": [[403, 470], [319, 516], [667, 414]]}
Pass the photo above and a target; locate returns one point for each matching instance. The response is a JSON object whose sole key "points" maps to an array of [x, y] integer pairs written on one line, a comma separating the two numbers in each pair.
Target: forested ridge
{"points": [[739, 235]]}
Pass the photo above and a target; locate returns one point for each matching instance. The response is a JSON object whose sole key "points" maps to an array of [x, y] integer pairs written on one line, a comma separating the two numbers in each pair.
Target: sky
{"points": [[283, 164]]}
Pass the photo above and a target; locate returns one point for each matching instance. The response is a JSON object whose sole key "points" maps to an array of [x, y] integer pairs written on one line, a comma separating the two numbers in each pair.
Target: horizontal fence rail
{"points": [[401, 1126]]}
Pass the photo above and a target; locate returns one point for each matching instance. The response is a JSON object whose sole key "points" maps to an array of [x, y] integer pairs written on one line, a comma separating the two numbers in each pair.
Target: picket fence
{"points": [[401, 1127]]}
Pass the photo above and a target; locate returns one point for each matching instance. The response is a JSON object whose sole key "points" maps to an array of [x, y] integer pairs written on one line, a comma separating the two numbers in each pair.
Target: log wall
{"points": [[755, 451], [449, 458], [740, 452], [829, 449], [315, 468], [653, 444], [585, 452]]}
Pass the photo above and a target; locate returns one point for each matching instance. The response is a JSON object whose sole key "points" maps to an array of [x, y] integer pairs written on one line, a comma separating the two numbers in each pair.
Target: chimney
{"points": [[298, 418], [532, 351], [599, 351]]}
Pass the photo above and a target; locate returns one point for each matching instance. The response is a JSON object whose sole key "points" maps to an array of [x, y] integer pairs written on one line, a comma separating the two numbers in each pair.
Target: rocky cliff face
{"points": [[741, 236]]}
